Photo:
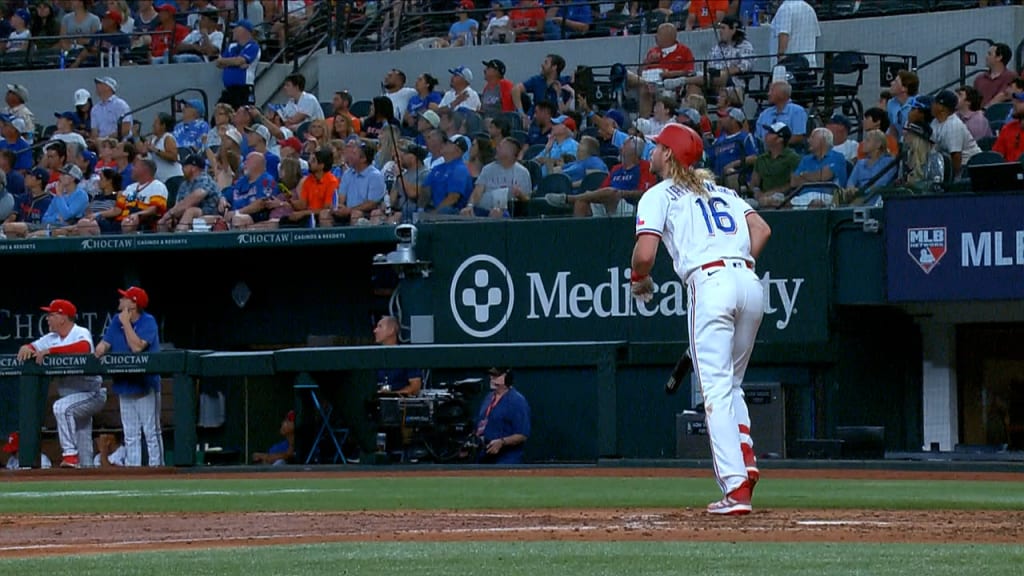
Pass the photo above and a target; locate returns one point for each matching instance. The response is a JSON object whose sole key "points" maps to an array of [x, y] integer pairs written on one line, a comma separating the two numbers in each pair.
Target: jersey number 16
{"points": [[716, 215]]}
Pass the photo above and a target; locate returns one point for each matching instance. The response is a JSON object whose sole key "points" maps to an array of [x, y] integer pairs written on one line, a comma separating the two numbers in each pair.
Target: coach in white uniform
{"points": [[81, 396], [713, 237]]}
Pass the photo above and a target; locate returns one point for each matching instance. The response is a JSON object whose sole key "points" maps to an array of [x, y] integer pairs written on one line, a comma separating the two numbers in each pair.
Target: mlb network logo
{"points": [[926, 246]]}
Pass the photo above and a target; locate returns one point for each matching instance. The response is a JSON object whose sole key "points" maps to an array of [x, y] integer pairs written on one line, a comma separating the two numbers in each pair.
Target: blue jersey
{"points": [[450, 178], [145, 327], [236, 75], [511, 415]]}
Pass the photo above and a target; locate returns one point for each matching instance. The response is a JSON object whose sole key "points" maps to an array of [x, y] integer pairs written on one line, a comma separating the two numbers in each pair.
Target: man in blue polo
{"points": [[135, 331], [362, 187], [449, 184], [544, 87], [238, 61], [503, 424], [784, 110]]}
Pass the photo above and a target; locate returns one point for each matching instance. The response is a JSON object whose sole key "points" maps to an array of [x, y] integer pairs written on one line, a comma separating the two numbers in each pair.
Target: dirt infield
{"points": [[33, 535]]}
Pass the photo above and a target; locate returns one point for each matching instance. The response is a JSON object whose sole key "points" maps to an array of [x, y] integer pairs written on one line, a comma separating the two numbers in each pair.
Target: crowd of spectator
{"points": [[485, 146]]}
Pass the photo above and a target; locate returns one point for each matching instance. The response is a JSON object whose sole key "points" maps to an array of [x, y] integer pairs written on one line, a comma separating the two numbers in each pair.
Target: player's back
{"points": [[705, 228]]}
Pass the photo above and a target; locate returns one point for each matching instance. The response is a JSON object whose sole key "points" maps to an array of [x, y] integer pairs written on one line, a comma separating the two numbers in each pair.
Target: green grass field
{"points": [[276, 494]]}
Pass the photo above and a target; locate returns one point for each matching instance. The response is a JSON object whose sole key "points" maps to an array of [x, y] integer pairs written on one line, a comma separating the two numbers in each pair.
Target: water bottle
{"points": [[756, 20], [63, 57], [387, 198], [117, 57]]}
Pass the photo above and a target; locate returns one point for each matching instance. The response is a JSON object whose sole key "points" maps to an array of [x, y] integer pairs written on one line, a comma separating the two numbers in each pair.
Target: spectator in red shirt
{"points": [[666, 64], [1009, 142], [167, 36], [998, 77], [527, 21], [704, 13]]}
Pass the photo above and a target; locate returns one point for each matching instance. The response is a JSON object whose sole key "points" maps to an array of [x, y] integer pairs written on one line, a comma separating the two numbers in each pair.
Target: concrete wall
{"points": [[924, 35]]}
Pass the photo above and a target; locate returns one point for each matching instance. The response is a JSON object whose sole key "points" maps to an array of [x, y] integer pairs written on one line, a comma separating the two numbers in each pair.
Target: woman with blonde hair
{"points": [[222, 114], [316, 135], [876, 165], [713, 237], [343, 127]]}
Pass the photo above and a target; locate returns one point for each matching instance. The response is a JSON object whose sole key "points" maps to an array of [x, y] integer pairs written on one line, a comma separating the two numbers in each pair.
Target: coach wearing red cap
{"points": [[134, 331], [80, 396]]}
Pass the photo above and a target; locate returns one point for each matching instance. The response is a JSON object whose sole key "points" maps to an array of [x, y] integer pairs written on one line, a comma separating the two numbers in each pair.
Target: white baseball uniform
{"points": [[81, 396], [709, 241]]}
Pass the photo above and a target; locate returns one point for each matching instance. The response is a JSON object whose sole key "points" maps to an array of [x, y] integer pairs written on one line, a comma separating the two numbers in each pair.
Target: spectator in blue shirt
{"points": [[361, 190], [11, 129], [247, 201], [69, 200], [571, 19], [503, 423], [449, 184], [463, 31], [238, 61], [588, 160], [821, 164], [548, 86], [783, 110], [734, 149], [420, 102], [191, 131], [876, 162]]}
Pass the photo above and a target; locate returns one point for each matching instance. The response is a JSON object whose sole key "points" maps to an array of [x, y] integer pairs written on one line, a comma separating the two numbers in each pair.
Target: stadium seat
{"points": [[593, 181], [986, 143], [986, 158], [361, 109]]}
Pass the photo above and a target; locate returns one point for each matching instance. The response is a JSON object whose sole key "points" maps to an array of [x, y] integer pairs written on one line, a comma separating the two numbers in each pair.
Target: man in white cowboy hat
{"points": [[111, 112], [15, 105]]}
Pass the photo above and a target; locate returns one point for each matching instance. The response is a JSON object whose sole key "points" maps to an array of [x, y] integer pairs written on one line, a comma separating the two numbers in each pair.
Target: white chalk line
{"points": [[842, 523], [35, 494]]}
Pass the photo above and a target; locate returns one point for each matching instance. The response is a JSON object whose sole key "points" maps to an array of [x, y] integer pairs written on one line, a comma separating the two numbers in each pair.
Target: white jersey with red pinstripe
{"points": [[77, 341], [695, 229], [709, 240]]}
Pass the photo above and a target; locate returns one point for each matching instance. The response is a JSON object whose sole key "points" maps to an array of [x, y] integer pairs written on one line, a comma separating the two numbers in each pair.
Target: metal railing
{"points": [[173, 98], [45, 52], [965, 59]]}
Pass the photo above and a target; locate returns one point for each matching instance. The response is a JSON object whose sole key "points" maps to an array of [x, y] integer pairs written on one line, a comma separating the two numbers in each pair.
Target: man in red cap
{"points": [[713, 237], [81, 396], [134, 331], [284, 451], [11, 448]]}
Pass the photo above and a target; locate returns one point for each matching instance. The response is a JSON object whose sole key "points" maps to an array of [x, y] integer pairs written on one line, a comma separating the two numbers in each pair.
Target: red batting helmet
{"points": [[686, 145]]}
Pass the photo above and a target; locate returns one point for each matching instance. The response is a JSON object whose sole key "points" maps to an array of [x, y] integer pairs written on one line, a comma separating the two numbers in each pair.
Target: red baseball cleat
{"points": [[736, 503], [69, 461]]}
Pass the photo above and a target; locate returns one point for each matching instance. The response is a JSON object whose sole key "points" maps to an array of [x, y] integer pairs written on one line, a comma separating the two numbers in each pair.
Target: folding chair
{"points": [[326, 430]]}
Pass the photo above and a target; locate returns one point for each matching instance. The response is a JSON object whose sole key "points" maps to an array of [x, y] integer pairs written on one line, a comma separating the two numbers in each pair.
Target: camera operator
{"points": [[407, 381], [504, 422]]}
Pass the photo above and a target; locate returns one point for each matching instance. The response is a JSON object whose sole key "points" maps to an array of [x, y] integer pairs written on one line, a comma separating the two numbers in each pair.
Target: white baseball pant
{"points": [[73, 414], [140, 415], [725, 309]]}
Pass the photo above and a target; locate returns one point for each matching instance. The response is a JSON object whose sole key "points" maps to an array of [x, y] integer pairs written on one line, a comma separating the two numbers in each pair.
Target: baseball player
{"points": [[81, 396], [134, 331], [713, 237], [13, 441]]}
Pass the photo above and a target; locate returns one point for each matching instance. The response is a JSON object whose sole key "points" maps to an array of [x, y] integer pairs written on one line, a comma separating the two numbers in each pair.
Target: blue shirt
{"points": [[244, 192], [578, 169], [465, 30], [191, 134], [835, 162], [397, 378], [864, 172], [16, 183], [31, 209], [273, 163], [728, 149], [126, 176], [66, 209], [145, 327], [418, 104], [511, 415], [359, 187], [558, 150], [450, 178], [577, 12], [22, 154], [236, 75], [899, 114], [793, 115], [540, 91]]}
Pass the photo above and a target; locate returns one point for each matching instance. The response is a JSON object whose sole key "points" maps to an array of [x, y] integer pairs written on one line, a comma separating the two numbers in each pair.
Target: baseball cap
{"points": [[73, 171], [920, 103], [196, 160], [1018, 96], [781, 130], [61, 307], [135, 294], [41, 174], [12, 443], [922, 130], [431, 117], [496, 64], [460, 141], [20, 90], [82, 96], [415, 149], [108, 81], [462, 71], [617, 116], [262, 130], [685, 143], [65, 115], [291, 142], [197, 104], [211, 13], [243, 24], [567, 120], [732, 112], [234, 135], [167, 7], [19, 125], [290, 416], [115, 16], [24, 15], [692, 115], [840, 120], [947, 99]]}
